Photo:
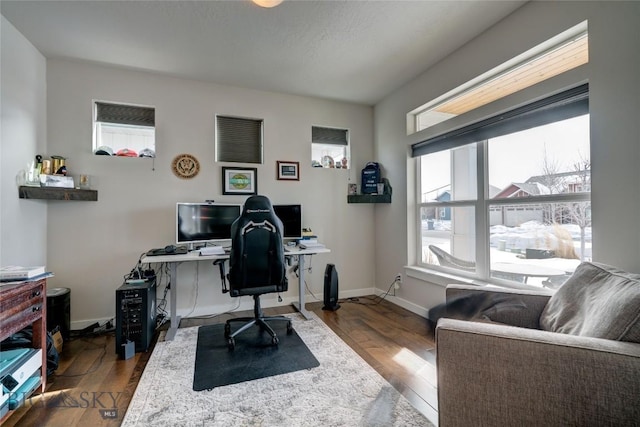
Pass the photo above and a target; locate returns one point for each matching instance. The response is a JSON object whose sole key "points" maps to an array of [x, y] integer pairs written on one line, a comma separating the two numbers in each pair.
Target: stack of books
{"points": [[14, 273]]}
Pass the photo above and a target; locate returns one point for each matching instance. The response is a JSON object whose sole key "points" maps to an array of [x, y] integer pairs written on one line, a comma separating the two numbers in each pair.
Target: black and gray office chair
{"points": [[256, 264]]}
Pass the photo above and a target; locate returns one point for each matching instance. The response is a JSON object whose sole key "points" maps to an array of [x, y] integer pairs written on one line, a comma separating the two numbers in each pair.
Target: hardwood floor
{"points": [[91, 381]]}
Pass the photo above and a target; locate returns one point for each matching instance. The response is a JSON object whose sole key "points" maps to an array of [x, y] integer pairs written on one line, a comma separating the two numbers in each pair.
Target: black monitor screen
{"points": [[204, 222], [291, 217]]}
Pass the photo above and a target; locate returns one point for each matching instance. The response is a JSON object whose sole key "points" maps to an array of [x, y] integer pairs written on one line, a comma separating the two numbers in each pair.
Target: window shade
{"points": [[125, 114], [333, 136], [565, 105], [239, 140]]}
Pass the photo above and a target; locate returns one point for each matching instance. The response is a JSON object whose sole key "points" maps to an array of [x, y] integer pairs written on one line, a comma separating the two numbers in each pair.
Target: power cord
{"points": [[377, 299]]}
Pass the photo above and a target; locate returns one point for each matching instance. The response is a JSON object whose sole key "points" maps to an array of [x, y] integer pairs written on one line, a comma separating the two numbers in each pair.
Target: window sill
{"points": [[441, 278]]}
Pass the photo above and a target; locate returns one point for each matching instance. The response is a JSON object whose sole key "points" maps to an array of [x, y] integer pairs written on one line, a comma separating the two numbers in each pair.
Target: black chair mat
{"points": [[254, 356]]}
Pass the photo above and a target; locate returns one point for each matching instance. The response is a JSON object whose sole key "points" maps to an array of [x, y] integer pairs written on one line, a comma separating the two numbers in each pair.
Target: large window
{"points": [[509, 198]]}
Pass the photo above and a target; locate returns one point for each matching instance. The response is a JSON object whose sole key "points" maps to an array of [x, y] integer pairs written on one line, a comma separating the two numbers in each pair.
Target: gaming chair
{"points": [[256, 264]]}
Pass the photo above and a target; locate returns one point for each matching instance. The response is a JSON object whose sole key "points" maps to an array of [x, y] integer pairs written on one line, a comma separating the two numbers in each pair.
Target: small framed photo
{"points": [[288, 171], [242, 181]]}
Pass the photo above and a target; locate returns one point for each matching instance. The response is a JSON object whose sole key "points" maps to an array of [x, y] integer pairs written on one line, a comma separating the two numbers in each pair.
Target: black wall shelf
{"points": [[55, 193], [373, 198], [369, 198]]}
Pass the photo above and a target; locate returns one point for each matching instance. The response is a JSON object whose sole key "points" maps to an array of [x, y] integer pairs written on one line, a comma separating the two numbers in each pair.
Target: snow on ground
{"points": [[509, 244]]}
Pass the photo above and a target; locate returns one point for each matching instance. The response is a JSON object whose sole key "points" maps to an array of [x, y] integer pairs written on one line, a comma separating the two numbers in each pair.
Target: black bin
{"points": [[59, 310]]}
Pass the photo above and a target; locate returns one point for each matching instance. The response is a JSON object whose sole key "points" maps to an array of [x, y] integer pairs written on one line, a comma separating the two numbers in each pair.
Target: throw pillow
{"points": [[597, 301]]}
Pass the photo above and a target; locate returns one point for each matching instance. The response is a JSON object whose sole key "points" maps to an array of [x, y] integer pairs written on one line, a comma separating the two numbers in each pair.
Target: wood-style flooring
{"points": [[90, 380]]}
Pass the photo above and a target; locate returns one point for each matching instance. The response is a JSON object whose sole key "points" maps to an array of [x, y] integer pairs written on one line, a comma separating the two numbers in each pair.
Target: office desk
{"points": [[175, 260]]}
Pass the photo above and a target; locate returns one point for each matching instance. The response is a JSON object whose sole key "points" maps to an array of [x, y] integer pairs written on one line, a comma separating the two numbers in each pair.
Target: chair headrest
{"points": [[257, 204]]}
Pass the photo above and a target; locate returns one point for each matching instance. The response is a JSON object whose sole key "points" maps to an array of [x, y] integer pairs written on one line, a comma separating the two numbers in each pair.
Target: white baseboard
{"points": [[267, 301], [414, 308]]}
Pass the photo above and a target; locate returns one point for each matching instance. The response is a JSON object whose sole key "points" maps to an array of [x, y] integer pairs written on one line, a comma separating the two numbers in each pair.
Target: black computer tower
{"points": [[331, 288], [136, 314]]}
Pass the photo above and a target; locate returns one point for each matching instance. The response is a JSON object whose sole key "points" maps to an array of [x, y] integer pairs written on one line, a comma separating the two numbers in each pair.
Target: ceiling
{"points": [[354, 51]]}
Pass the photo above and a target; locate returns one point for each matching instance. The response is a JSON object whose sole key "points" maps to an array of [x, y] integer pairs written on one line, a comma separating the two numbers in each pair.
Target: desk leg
{"points": [[175, 319], [300, 305]]}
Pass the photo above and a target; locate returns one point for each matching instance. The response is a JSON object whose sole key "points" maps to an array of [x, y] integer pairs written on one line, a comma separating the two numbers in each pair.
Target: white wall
{"points": [[612, 72], [23, 223], [91, 245]]}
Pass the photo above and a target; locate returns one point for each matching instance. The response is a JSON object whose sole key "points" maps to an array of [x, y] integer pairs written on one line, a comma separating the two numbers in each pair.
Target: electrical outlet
{"points": [[398, 281]]}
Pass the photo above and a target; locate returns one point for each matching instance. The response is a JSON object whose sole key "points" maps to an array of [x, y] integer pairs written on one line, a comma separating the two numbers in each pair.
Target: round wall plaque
{"points": [[185, 166]]}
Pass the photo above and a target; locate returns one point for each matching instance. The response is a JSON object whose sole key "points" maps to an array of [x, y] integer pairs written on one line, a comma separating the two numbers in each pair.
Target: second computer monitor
{"points": [[291, 217]]}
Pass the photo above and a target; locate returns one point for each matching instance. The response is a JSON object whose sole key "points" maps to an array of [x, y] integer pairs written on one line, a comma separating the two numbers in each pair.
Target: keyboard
{"points": [[179, 250]]}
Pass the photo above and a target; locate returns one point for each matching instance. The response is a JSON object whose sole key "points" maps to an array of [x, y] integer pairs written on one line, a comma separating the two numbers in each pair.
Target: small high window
{"points": [[329, 147], [124, 130], [238, 140]]}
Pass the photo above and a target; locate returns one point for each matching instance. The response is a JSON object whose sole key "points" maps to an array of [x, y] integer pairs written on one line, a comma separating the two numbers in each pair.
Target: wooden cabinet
{"points": [[21, 305]]}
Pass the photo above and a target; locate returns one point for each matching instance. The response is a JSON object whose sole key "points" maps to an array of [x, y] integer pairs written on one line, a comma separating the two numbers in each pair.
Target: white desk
{"points": [[175, 260]]}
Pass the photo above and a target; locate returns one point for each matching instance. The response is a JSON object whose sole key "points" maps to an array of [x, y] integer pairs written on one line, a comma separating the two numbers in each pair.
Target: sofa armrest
{"points": [[498, 375], [528, 316]]}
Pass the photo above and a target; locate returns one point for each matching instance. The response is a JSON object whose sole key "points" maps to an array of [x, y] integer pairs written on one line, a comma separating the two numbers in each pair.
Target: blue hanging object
{"points": [[370, 178]]}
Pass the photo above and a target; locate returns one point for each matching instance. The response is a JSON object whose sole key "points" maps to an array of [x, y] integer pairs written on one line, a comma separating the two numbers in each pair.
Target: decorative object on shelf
{"points": [[240, 181], [288, 171], [352, 189], [84, 181], [328, 162], [185, 166], [370, 178]]}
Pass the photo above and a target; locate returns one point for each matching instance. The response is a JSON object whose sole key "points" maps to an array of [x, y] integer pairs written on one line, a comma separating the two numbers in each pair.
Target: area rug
{"points": [[254, 356], [343, 391]]}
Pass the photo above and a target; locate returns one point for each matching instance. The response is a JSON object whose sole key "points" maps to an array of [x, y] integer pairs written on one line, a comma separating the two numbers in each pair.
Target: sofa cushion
{"points": [[597, 301]]}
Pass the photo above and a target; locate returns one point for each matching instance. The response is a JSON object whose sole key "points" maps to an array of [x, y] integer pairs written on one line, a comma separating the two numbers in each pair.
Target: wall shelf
{"points": [[55, 193], [369, 198], [373, 198]]}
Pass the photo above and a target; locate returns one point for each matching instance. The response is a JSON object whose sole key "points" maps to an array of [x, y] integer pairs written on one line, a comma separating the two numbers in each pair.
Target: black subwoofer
{"points": [[331, 288]]}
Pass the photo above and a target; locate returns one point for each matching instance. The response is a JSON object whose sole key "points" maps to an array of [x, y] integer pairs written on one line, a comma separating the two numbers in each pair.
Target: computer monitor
{"points": [[205, 222], [291, 217]]}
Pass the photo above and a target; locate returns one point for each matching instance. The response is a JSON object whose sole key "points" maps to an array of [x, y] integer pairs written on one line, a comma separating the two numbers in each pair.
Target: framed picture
{"points": [[289, 171], [239, 181]]}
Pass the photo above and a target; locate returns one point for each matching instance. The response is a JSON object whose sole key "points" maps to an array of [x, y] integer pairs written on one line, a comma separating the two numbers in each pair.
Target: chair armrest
{"points": [[498, 375], [525, 317]]}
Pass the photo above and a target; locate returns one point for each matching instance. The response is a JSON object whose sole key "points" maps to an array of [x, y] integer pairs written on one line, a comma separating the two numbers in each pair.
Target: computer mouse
{"points": [[169, 249]]}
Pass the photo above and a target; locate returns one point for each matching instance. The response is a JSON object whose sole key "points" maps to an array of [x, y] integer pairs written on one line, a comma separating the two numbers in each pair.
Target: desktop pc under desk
{"points": [[175, 260]]}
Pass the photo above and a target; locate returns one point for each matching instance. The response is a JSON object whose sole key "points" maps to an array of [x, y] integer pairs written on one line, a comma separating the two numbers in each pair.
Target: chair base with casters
{"points": [[259, 320]]}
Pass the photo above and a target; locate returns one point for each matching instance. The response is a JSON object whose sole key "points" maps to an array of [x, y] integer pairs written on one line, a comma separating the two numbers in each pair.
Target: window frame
{"points": [[482, 206]]}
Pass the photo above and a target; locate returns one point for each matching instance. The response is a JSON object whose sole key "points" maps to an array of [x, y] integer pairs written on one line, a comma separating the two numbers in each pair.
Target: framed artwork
{"points": [[242, 181], [288, 171]]}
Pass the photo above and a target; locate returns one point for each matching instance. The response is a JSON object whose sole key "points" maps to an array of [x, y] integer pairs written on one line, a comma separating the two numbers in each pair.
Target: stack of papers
{"points": [[14, 272], [309, 244], [212, 250]]}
